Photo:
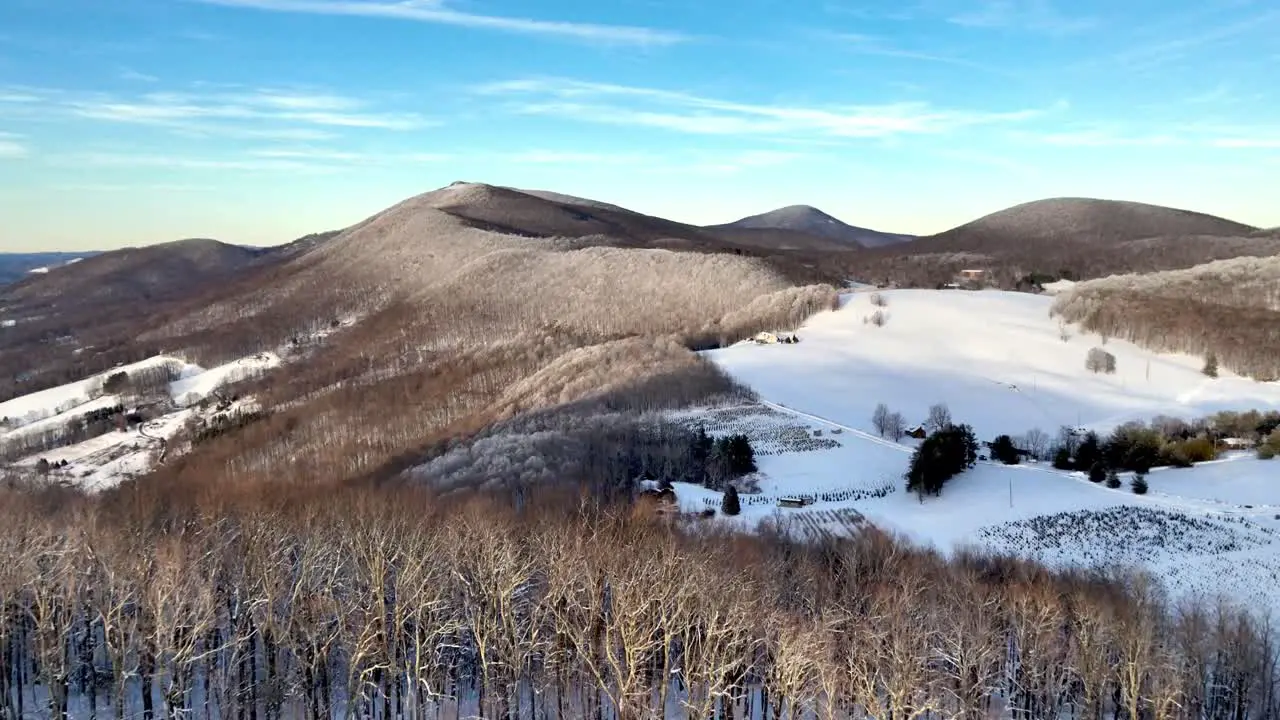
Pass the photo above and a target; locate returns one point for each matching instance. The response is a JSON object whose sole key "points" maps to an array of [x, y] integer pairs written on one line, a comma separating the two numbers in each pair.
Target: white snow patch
{"points": [[48, 403], [995, 358], [1058, 286], [200, 385]]}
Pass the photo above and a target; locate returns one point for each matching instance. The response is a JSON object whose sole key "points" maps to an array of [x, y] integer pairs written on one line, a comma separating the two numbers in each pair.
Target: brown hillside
{"points": [[155, 272], [1227, 308], [1073, 237], [465, 305], [81, 318]]}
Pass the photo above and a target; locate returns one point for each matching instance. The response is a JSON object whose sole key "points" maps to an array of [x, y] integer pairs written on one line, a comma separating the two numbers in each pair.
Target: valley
{"points": [[525, 369], [500, 360]]}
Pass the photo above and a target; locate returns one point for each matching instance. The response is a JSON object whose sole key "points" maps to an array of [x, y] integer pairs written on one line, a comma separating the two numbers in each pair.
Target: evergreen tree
{"points": [[1097, 472], [1088, 452], [742, 457], [941, 456], [1211, 365], [1003, 449], [700, 450], [1139, 484], [1142, 456], [1113, 479], [730, 504], [1062, 459]]}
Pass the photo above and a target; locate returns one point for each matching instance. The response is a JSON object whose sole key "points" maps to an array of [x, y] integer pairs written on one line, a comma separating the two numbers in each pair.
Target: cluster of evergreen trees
{"points": [[1133, 447], [726, 458], [947, 452]]}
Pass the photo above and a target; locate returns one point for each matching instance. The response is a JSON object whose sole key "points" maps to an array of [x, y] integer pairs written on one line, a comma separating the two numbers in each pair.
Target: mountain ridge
{"points": [[811, 220]]}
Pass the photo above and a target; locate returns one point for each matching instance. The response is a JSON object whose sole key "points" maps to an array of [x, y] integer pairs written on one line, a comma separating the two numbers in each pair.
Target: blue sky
{"points": [[128, 122]]}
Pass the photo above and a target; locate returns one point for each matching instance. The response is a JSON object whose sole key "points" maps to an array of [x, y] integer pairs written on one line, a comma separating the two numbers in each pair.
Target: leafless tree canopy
{"points": [[939, 417], [391, 603], [1229, 308]]}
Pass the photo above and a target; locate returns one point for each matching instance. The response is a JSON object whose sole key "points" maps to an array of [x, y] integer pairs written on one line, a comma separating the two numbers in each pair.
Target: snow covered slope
{"points": [[198, 386], [996, 358], [107, 459], [55, 401], [999, 362]]}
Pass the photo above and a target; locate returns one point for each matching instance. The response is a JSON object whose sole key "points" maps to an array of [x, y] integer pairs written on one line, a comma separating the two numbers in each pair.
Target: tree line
{"points": [[392, 604], [1227, 311]]}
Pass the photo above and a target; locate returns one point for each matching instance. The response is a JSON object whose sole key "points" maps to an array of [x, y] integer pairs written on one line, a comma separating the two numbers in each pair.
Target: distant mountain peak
{"points": [[811, 220]]}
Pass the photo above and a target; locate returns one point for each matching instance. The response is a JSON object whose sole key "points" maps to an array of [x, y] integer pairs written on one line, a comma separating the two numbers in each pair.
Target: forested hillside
{"points": [[1073, 238], [1229, 310]]}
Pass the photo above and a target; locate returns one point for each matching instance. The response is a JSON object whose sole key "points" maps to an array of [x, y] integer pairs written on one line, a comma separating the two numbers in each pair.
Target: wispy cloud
{"points": [[733, 163], [132, 75], [687, 113], [268, 105], [438, 12], [147, 160], [574, 157], [318, 160], [11, 147], [1161, 52], [1247, 143], [240, 113], [879, 47], [1103, 138], [17, 97], [1038, 16], [1186, 135]]}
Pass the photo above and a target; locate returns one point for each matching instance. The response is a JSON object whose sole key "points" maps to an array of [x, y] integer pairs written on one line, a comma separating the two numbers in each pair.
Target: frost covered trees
{"points": [[1100, 361], [374, 602], [1203, 310]]}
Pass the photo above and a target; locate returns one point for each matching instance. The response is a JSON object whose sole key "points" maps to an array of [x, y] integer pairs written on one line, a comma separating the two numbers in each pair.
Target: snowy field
{"points": [[999, 362], [71, 397], [996, 358], [111, 458]]}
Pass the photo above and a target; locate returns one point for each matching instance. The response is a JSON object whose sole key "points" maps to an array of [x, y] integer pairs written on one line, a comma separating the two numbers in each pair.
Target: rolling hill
{"points": [[812, 221], [1078, 238], [472, 304], [81, 318], [17, 266], [468, 304]]}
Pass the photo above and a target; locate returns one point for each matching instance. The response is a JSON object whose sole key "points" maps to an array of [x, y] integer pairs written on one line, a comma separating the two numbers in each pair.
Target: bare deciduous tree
{"points": [[939, 417]]}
